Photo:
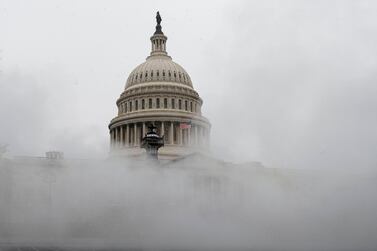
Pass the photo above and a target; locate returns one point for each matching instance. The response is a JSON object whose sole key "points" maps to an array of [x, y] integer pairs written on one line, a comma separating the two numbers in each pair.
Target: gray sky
{"points": [[288, 83]]}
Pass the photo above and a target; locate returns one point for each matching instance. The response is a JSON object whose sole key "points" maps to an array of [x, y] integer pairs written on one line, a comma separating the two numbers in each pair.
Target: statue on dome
{"points": [[158, 18], [158, 26]]}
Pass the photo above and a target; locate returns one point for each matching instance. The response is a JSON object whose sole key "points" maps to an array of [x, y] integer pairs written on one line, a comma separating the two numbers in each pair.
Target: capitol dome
{"points": [[159, 92], [158, 68]]}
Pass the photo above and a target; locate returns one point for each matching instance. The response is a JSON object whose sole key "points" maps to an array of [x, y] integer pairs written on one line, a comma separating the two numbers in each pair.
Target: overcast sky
{"points": [[288, 83]]}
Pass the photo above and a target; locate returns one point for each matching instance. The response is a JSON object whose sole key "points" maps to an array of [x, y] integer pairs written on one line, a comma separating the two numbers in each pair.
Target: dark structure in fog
{"points": [[159, 91], [152, 142]]}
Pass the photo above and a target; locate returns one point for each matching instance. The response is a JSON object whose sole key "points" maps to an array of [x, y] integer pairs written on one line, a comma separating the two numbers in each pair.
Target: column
{"points": [[144, 132], [111, 139], [116, 137], [203, 137], [121, 137], [171, 136], [180, 135], [189, 136], [162, 128], [135, 134], [199, 136], [196, 134], [118, 140], [127, 137], [207, 137]]}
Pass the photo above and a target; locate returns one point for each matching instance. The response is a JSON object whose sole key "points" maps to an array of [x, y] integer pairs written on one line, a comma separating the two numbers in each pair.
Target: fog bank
{"points": [[193, 204]]}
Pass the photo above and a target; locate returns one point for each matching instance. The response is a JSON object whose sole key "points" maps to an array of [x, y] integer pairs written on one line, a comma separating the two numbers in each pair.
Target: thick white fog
{"points": [[291, 84], [196, 204]]}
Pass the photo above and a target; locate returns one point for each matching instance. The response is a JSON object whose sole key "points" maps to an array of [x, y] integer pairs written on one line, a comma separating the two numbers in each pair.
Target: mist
{"points": [[291, 85], [195, 204]]}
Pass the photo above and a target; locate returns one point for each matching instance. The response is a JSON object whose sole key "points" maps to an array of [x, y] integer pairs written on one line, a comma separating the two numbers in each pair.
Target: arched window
{"points": [[175, 74], [173, 103], [136, 105], [191, 106], [165, 103], [152, 74], [169, 74], [125, 107], [158, 73], [130, 106], [150, 103], [142, 104], [186, 108], [158, 103], [146, 74], [163, 73], [179, 104]]}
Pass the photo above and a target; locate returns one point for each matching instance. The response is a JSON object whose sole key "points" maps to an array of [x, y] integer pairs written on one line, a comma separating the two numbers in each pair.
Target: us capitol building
{"points": [[160, 92]]}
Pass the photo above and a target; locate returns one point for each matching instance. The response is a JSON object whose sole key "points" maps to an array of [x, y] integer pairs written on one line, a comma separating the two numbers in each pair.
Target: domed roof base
{"points": [[168, 152]]}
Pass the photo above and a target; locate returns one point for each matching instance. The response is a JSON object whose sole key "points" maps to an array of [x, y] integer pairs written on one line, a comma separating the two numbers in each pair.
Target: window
{"points": [[158, 73], [175, 75], [157, 103], [173, 103], [146, 74], [142, 104], [151, 73], [150, 103], [125, 107], [136, 105], [191, 106], [165, 103], [163, 73], [169, 74], [130, 106], [186, 108], [179, 104]]}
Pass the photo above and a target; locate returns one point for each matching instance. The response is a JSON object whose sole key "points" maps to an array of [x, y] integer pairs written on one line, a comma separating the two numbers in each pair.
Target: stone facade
{"points": [[159, 91]]}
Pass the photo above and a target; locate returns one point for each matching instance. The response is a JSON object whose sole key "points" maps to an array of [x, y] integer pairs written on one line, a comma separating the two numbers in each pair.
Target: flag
{"points": [[185, 125]]}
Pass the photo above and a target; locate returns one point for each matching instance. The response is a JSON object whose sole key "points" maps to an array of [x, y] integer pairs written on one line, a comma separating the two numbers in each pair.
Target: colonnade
{"points": [[130, 135]]}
